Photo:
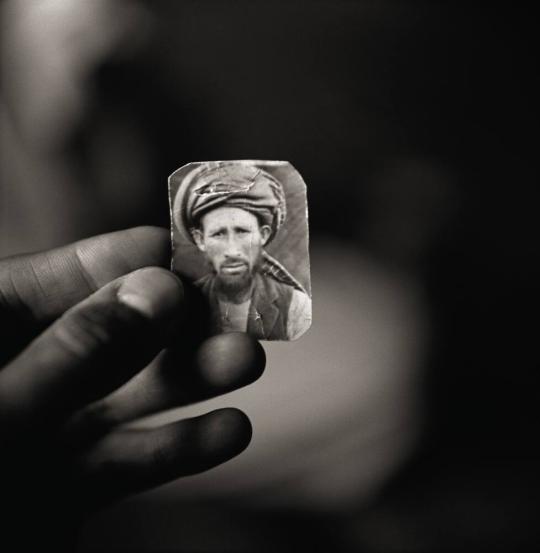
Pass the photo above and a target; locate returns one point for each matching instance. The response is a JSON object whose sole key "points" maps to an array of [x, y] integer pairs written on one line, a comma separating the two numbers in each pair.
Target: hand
{"points": [[79, 327]]}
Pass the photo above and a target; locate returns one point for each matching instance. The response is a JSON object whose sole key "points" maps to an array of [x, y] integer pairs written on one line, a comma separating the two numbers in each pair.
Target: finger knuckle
{"points": [[83, 331], [159, 449]]}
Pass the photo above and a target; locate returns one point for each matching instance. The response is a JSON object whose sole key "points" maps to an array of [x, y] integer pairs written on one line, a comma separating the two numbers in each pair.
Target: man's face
{"points": [[232, 240]]}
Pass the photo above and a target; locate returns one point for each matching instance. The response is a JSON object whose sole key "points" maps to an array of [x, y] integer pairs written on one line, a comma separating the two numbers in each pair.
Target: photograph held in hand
{"points": [[240, 235]]}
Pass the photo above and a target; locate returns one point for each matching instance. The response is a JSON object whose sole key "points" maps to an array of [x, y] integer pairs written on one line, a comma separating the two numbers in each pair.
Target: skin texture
{"points": [[232, 240], [96, 336]]}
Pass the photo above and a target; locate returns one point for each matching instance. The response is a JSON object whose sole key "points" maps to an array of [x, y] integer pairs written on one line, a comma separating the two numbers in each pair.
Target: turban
{"points": [[229, 184]]}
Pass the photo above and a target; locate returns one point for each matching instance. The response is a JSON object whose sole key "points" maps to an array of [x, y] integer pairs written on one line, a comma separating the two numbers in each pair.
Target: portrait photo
{"points": [[240, 236]]}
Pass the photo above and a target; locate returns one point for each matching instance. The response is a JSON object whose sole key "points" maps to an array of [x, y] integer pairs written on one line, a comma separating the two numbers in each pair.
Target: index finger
{"points": [[35, 289]]}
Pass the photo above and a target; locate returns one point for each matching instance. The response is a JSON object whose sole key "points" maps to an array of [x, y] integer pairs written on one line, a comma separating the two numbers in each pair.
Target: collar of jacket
{"points": [[264, 311]]}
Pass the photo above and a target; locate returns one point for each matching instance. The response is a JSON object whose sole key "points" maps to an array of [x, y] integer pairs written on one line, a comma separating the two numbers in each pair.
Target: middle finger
{"points": [[219, 365]]}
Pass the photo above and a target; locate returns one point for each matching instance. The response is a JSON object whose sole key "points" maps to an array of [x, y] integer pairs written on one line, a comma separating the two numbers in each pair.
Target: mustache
{"points": [[234, 261]]}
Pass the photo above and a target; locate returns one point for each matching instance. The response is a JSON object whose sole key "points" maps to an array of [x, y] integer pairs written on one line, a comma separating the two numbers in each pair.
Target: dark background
{"points": [[415, 125]]}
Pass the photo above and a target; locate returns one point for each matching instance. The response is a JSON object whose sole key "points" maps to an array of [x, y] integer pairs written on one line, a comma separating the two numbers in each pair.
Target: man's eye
{"points": [[218, 234], [242, 231]]}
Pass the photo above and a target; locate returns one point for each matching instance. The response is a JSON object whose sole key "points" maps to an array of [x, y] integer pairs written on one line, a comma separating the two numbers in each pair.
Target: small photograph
{"points": [[240, 235]]}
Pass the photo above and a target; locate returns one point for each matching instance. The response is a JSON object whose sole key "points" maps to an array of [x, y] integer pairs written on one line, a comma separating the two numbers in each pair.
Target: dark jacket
{"points": [[268, 310]]}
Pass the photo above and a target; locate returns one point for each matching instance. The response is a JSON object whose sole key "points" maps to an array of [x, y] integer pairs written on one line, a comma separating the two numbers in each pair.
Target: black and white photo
{"points": [[240, 234]]}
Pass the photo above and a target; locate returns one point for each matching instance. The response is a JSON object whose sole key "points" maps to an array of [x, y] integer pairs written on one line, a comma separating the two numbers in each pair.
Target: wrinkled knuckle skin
{"points": [[10, 300], [160, 451], [16, 320], [83, 332]]}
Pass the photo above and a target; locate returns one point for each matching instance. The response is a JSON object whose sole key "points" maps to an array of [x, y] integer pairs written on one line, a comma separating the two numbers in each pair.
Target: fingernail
{"points": [[155, 293]]}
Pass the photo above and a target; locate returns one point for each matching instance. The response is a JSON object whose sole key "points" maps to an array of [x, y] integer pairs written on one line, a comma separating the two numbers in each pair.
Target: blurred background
{"points": [[405, 420]]}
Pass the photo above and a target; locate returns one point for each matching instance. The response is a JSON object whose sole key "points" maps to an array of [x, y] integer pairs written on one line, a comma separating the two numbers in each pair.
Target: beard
{"points": [[234, 285]]}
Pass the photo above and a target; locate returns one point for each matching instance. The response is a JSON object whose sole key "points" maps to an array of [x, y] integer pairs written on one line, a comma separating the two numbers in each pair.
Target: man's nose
{"points": [[232, 247]]}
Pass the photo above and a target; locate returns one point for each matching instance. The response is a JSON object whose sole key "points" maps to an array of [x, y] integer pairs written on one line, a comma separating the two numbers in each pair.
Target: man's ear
{"points": [[265, 233], [199, 240]]}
